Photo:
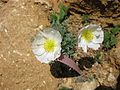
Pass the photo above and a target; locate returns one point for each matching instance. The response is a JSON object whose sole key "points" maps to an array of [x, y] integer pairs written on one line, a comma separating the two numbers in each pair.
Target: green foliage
{"points": [[98, 57], [54, 17], [115, 30], [63, 12], [109, 37], [85, 18], [68, 43], [57, 18]]}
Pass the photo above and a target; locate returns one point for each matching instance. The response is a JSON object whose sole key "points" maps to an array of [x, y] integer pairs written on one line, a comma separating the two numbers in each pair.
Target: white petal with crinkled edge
{"points": [[83, 44], [57, 52], [91, 27], [38, 51], [53, 34], [38, 41], [42, 58], [98, 36], [94, 27], [47, 57], [37, 45], [94, 46]]}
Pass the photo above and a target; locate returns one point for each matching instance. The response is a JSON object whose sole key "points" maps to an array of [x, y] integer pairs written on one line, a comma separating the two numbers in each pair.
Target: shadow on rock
{"points": [[86, 62], [96, 5], [60, 70], [110, 88], [104, 88], [82, 7], [118, 83]]}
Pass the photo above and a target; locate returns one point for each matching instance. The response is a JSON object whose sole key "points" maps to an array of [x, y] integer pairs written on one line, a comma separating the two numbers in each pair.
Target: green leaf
{"points": [[115, 30], [106, 36], [57, 18], [54, 18], [63, 12], [98, 57], [85, 17], [113, 40], [110, 37]]}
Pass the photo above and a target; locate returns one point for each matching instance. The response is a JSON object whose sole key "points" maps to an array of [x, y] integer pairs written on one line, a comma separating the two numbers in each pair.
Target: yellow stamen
{"points": [[49, 45], [87, 35]]}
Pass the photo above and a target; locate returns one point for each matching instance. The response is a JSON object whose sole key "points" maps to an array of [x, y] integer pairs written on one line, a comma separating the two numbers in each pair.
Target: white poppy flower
{"points": [[47, 45], [90, 36]]}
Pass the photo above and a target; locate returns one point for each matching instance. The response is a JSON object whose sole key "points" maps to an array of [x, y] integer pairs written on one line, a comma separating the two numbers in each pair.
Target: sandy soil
{"points": [[19, 69]]}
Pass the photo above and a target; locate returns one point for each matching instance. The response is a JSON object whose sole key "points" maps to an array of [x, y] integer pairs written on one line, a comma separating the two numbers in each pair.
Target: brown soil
{"points": [[19, 69]]}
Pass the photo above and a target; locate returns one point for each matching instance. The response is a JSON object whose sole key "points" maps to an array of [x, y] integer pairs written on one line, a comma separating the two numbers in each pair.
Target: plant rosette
{"points": [[90, 36], [47, 45]]}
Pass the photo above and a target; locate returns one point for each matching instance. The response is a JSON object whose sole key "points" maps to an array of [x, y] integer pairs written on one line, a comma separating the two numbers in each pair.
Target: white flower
{"points": [[90, 36], [47, 45]]}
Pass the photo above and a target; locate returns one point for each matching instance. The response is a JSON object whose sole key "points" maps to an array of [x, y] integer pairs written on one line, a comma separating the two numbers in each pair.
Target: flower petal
{"points": [[50, 56], [53, 34], [38, 41], [92, 27], [98, 36], [42, 58], [83, 44], [38, 51], [94, 46], [45, 57], [57, 52]]}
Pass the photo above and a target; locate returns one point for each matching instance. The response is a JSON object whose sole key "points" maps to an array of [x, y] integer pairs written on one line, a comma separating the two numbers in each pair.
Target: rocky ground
{"points": [[19, 69]]}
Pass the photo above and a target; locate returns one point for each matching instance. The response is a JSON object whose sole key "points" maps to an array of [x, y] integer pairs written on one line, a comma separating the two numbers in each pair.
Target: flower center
{"points": [[49, 45], [87, 35]]}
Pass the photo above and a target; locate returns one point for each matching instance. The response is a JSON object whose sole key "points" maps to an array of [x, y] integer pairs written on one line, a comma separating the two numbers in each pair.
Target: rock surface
{"points": [[89, 85]]}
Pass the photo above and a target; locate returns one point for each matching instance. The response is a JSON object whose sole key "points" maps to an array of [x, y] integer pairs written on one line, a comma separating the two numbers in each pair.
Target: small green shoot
{"points": [[85, 18], [110, 37], [54, 17], [57, 18], [98, 57], [63, 12]]}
